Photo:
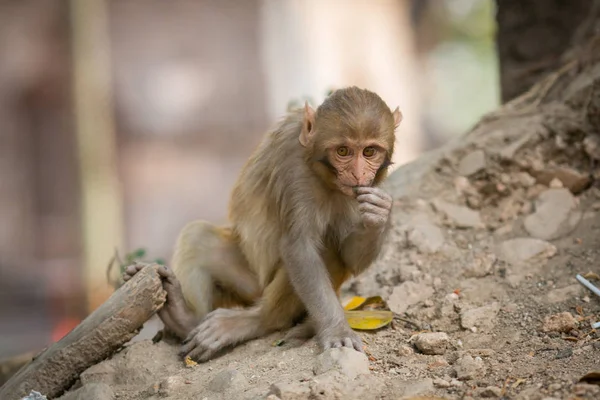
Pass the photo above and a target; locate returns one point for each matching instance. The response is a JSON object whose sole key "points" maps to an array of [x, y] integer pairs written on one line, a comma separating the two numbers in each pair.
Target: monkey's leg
{"points": [[208, 271], [279, 308]]}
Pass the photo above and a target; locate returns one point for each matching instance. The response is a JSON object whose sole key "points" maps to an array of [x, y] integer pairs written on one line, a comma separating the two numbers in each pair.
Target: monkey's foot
{"points": [[340, 336], [221, 328], [175, 313]]}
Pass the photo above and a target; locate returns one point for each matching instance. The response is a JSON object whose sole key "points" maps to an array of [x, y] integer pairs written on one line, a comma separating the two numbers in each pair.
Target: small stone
{"points": [[472, 163], [482, 318], [349, 362], [552, 216], [407, 294], [566, 177], [273, 397], [586, 299], [563, 322], [290, 390], [169, 385], [555, 183], [468, 368], [564, 353], [405, 351], [491, 391], [455, 383], [524, 250], [96, 391], [432, 342], [459, 216], [554, 387], [441, 383], [227, 379], [480, 265]]}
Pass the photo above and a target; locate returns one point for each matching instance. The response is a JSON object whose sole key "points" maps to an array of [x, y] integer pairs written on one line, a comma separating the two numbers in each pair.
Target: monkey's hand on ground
{"points": [[219, 329], [340, 335], [374, 206], [175, 313]]}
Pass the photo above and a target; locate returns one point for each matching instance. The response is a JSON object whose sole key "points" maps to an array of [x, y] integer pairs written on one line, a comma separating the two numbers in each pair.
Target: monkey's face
{"points": [[355, 163]]}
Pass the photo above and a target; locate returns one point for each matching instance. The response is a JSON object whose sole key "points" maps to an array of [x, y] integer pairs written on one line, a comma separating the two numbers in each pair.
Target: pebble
{"points": [[483, 318], [552, 216], [480, 265], [491, 391], [227, 379], [459, 216], [569, 178], [441, 383], [405, 351], [407, 294], [290, 390], [349, 362], [564, 353], [522, 250], [468, 368], [432, 342], [562, 322], [472, 163]]}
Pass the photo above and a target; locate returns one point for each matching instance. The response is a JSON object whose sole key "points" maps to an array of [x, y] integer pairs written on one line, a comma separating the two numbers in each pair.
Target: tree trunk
{"points": [[532, 36], [108, 328]]}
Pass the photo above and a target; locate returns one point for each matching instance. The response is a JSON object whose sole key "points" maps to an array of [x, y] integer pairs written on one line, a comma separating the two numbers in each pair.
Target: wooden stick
{"points": [[101, 334]]}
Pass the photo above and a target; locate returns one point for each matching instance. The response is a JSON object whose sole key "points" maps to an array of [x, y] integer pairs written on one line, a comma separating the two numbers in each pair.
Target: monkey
{"points": [[307, 213]]}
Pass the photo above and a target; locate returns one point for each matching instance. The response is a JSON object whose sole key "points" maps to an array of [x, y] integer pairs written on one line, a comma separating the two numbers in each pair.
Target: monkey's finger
{"points": [[358, 346], [348, 342], [187, 348], [131, 270], [375, 200], [375, 191], [373, 209], [126, 277], [373, 220]]}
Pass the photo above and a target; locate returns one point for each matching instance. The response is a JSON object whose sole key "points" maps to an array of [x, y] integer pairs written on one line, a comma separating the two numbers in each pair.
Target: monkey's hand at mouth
{"points": [[374, 206]]}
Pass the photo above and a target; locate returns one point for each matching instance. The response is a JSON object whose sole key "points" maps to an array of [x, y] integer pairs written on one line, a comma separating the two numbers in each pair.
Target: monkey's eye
{"points": [[343, 151], [369, 152]]}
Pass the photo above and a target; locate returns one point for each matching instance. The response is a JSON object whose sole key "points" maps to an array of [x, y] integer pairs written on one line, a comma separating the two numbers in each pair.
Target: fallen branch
{"points": [[102, 333]]}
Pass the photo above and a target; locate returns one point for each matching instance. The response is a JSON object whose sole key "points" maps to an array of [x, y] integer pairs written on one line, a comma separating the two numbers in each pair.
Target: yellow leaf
{"points": [[368, 320], [189, 362], [354, 302], [358, 302]]}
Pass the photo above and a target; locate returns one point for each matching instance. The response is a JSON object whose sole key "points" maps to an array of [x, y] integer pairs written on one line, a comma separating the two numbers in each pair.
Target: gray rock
{"points": [[481, 318], [524, 250], [468, 368], [424, 234], [100, 373], [227, 379], [552, 216], [432, 342], [459, 216], [95, 391], [565, 293], [441, 383], [472, 163], [407, 294], [348, 362]]}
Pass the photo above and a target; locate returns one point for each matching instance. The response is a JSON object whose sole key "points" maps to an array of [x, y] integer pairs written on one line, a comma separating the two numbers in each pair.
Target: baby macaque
{"points": [[306, 214]]}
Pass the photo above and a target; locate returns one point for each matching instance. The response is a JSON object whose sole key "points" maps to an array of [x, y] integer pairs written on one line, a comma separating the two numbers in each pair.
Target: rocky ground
{"points": [[489, 234]]}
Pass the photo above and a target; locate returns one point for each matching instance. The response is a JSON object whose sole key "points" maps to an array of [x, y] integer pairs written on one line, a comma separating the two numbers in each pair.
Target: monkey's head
{"points": [[349, 139]]}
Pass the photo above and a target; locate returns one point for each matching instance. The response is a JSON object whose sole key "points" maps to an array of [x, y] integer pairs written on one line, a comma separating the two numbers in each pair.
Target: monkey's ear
{"points": [[397, 117], [308, 131]]}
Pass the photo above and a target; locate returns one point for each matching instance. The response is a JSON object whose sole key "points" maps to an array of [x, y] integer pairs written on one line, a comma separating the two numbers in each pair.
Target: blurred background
{"points": [[120, 121]]}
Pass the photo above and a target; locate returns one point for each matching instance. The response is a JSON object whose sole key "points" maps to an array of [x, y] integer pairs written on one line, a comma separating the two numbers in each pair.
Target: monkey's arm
{"points": [[310, 279], [363, 245]]}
